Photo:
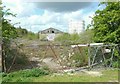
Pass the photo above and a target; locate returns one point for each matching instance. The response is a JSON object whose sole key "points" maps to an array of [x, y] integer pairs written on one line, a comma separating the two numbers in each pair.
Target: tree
{"points": [[8, 33], [106, 23], [21, 32]]}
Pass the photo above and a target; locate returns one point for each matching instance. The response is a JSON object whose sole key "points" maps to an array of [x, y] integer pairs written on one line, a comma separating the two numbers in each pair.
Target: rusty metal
{"points": [[55, 55]]}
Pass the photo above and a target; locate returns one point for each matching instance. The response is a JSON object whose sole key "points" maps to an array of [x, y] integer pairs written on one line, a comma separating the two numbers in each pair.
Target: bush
{"points": [[20, 59], [84, 37], [63, 38], [6, 79], [36, 72], [4, 74], [33, 73], [31, 36], [115, 64], [23, 74], [79, 60]]}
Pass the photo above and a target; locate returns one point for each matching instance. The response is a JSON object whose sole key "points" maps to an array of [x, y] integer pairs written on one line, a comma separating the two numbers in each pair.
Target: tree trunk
{"points": [[3, 60]]}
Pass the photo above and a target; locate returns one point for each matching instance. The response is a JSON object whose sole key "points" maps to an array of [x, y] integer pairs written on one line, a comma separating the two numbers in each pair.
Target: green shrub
{"points": [[115, 64], [33, 73], [84, 37], [19, 80], [11, 75], [63, 38], [79, 60], [20, 57], [28, 73], [6, 79], [20, 75], [31, 36], [68, 38], [4, 74]]}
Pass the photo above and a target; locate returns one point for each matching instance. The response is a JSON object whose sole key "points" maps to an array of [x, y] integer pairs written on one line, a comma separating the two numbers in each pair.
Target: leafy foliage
{"points": [[106, 26], [31, 36], [23, 33], [80, 60], [106, 23], [8, 33], [63, 38]]}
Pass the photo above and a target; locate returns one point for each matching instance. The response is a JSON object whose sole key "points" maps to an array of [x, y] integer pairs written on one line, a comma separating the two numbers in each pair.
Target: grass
{"points": [[108, 76], [24, 75]]}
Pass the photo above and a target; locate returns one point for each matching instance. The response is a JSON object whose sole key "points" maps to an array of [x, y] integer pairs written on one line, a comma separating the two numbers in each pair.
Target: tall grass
{"points": [[84, 37], [31, 36]]}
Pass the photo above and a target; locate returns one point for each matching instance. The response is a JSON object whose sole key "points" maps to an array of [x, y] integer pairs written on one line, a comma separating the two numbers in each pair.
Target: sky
{"points": [[37, 15]]}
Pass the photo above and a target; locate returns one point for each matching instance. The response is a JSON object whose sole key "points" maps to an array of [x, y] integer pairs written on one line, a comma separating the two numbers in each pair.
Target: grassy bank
{"points": [[110, 75]]}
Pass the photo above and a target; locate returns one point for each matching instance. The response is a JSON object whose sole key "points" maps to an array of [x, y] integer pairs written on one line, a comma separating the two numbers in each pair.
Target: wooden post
{"points": [[3, 60], [95, 55], [89, 64], [111, 59], [104, 59]]}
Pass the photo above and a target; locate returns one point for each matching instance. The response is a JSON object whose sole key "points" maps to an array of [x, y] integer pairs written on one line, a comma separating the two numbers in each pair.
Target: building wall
{"points": [[47, 32], [76, 26], [44, 36]]}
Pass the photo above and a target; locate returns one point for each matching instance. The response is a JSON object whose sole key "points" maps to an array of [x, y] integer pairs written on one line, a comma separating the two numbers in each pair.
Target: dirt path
{"points": [[50, 63]]}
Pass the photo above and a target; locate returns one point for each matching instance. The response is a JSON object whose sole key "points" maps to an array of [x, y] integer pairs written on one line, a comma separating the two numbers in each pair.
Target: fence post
{"points": [[89, 64]]}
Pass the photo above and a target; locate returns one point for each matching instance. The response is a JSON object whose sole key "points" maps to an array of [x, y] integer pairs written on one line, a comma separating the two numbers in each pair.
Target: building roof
{"points": [[49, 30]]}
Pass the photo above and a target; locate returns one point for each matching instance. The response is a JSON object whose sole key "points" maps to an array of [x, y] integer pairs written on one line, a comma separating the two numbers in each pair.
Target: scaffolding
{"points": [[97, 53]]}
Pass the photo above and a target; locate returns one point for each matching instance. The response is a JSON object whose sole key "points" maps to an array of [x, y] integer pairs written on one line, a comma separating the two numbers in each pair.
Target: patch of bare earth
{"points": [[93, 73], [51, 63]]}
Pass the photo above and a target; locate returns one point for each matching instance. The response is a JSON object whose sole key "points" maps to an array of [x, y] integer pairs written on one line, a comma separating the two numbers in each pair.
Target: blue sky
{"points": [[36, 16]]}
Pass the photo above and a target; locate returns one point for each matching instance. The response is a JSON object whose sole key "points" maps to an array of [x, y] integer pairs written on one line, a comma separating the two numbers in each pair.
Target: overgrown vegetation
{"points": [[79, 57], [8, 33], [39, 75], [31, 36], [23, 33], [106, 29], [84, 37], [80, 60], [106, 26], [23, 75], [106, 23]]}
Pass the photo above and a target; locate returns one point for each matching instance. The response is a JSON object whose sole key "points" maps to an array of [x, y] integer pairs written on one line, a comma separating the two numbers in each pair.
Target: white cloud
{"points": [[19, 7], [51, 19], [36, 22]]}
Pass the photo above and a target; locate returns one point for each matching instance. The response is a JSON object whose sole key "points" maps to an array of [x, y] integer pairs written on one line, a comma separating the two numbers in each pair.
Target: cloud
{"points": [[22, 9], [48, 19], [54, 14], [62, 6]]}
